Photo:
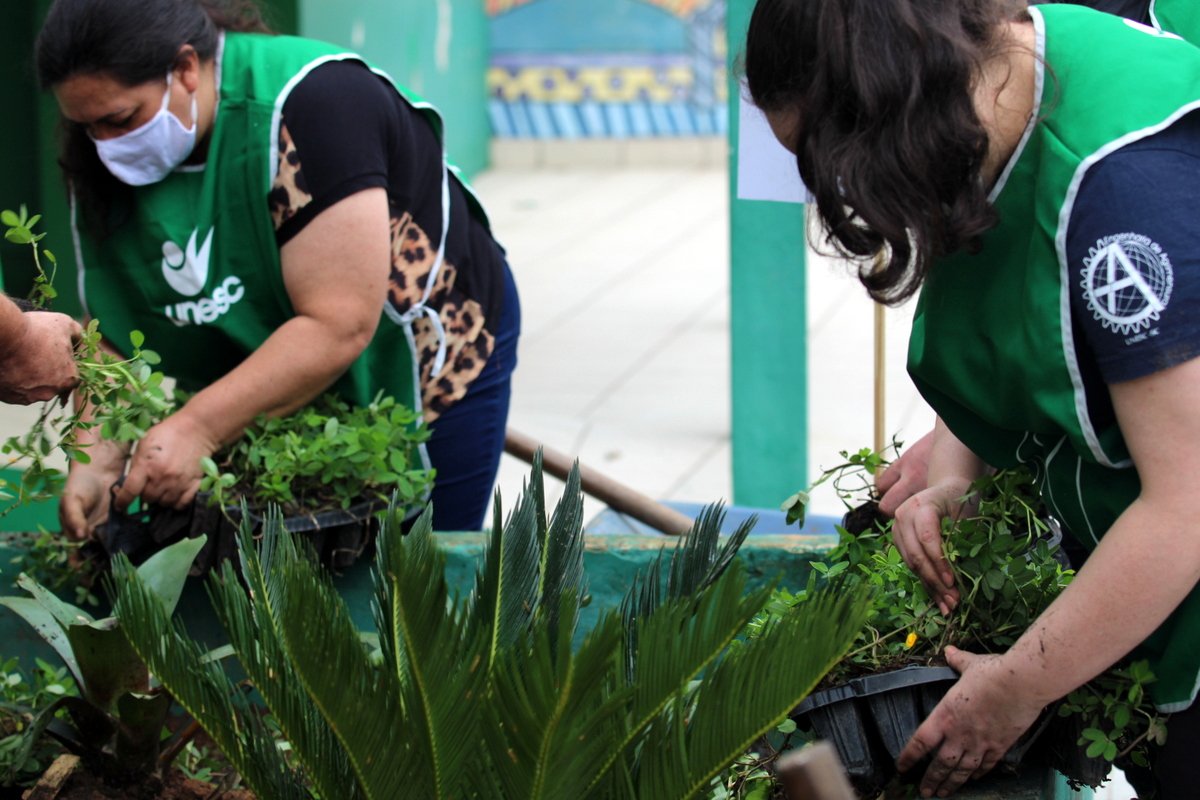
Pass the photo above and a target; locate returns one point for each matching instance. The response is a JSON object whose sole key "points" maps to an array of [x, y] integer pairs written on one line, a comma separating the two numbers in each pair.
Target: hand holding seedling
{"points": [[165, 467]]}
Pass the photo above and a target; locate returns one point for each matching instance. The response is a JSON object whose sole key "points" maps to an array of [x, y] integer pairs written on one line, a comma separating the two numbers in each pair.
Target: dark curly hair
{"points": [[888, 139], [133, 41]]}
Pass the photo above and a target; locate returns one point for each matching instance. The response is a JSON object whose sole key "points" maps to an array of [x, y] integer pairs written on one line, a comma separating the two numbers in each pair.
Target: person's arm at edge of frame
{"points": [[1143, 568], [336, 272], [37, 354]]}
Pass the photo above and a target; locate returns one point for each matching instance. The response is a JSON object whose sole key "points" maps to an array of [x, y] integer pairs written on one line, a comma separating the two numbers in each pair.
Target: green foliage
{"points": [[60, 564], [124, 396], [20, 698], [1118, 721], [1007, 573], [485, 695], [327, 455], [116, 717]]}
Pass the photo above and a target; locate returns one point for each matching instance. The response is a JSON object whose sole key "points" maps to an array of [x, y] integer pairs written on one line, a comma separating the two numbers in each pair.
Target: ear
{"points": [[187, 68]]}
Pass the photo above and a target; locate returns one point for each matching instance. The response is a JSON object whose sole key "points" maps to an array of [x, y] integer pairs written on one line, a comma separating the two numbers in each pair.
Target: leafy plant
{"points": [[122, 397], [116, 719], [484, 695], [327, 455], [60, 564], [1007, 572], [20, 698]]}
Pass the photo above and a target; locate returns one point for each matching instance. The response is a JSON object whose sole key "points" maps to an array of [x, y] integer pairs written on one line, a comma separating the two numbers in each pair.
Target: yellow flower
{"points": [[910, 641]]}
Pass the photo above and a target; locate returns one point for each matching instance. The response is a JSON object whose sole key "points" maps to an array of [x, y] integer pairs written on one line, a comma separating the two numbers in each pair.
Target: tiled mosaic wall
{"points": [[594, 69]]}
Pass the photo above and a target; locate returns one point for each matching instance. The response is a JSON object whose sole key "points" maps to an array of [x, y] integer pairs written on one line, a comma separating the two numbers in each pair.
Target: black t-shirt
{"points": [[344, 130], [1133, 255]]}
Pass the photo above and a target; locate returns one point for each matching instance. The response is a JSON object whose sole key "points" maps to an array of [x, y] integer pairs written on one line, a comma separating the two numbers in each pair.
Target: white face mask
{"points": [[149, 153]]}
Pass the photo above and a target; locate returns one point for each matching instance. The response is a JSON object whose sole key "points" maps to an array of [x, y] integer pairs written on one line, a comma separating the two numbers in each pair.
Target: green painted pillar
{"points": [[437, 48], [768, 325]]}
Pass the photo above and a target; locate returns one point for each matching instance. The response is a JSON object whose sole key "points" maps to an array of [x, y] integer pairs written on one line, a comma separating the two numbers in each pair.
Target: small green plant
{"points": [[327, 455], [1007, 572], [1118, 721], [20, 698], [120, 398], [117, 716], [60, 564]]}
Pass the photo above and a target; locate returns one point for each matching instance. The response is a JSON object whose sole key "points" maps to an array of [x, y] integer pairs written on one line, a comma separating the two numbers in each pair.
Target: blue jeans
{"points": [[468, 439]]}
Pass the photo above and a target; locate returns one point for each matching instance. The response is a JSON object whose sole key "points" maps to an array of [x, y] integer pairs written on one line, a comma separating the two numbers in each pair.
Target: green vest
{"points": [[992, 346], [197, 268], [1181, 17]]}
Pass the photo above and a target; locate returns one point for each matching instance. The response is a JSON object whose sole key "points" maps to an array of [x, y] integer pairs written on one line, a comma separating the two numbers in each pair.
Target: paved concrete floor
{"points": [[624, 356]]}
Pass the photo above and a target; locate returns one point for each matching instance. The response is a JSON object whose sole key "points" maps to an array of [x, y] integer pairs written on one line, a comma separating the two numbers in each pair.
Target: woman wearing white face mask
{"points": [[278, 220]]}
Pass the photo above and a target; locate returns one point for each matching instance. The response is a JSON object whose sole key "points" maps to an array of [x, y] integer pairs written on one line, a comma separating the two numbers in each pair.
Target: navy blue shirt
{"points": [[1133, 255]]}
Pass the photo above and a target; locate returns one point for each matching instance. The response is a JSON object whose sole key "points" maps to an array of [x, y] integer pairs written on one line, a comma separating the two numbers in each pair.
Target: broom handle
{"points": [[617, 496]]}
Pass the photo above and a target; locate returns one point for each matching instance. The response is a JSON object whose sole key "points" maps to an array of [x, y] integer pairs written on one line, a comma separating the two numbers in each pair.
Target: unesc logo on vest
{"points": [[1127, 281], [186, 271]]}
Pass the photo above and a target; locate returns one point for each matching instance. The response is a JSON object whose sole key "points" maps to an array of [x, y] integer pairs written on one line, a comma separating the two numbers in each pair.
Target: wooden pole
{"points": [[880, 378], [617, 496], [814, 773]]}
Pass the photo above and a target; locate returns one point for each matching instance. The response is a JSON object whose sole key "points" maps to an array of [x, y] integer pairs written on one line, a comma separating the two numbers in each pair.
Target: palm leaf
{"points": [[201, 686], [506, 589], [550, 713], [747, 693], [562, 552], [360, 703], [675, 644], [438, 661], [250, 619]]}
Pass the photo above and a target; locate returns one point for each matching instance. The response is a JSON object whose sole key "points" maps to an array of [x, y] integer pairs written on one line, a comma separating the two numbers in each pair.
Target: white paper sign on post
{"points": [[766, 170]]}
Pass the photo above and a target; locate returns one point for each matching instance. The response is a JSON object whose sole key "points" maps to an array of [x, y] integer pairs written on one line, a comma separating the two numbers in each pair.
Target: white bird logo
{"points": [[187, 272]]}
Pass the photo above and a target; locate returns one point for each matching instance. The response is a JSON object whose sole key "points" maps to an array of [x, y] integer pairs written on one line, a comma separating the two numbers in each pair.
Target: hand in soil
{"points": [[165, 467], [40, 364], [973, 726], [84, 504], [917, 533]]}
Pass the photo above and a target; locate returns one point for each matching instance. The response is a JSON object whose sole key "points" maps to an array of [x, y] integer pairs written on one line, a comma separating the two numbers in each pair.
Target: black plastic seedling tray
{"points": [[869, 719]]}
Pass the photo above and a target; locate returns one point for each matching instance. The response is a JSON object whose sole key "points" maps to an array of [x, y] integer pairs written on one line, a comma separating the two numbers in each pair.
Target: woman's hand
{"points": [[905, 476], [165, 468], [84, 504], [917, 533], [973, 726]]}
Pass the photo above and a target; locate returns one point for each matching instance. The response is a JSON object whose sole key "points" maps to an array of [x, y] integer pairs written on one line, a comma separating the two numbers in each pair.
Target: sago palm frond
{"points": [[675, 644], [254, 632], [551, 712], [360, 703], [747, 693], [437, 660], [201, 687], [562, 552], [506, 588]]}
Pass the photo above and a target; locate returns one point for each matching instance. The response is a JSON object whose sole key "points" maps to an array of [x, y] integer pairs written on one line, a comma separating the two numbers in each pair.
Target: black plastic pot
{"points": [[338, 536], [870, 720]]}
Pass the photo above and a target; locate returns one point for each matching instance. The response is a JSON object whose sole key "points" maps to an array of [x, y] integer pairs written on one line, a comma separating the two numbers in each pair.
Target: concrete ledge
{"points": [[700, 152]]}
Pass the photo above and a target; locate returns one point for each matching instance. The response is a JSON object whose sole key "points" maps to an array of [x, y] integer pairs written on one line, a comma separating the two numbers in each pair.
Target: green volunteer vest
{"points": [[992, 345], [1181, 17], [197, 269]]}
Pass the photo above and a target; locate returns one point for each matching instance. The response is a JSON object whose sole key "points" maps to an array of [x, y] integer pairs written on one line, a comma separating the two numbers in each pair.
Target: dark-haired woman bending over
{"points": [[279, 220], [1041, 196]]}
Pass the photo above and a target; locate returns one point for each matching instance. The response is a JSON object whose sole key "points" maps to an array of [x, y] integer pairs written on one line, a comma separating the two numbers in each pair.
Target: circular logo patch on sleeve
{"points": [[1127, 281]]}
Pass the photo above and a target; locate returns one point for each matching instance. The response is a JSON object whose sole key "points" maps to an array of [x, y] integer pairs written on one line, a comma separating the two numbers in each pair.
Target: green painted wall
{"points": [[438, 48], [768, 326]]}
